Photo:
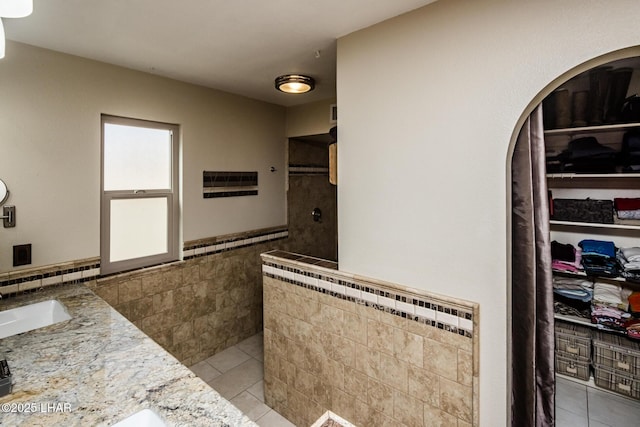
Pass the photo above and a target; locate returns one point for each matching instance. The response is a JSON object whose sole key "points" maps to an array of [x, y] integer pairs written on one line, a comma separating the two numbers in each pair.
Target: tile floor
{"points": [[578, 405], [237, 373]]}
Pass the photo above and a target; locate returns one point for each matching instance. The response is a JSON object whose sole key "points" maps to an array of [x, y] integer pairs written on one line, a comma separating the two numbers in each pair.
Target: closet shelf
{"points": [[573, 175], [595, 225], [592, 129], [583, 275], [585, 322]]}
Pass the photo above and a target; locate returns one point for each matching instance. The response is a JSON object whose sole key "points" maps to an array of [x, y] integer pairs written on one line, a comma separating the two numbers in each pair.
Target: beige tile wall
{"points": [[370, 367], [194, 308]]}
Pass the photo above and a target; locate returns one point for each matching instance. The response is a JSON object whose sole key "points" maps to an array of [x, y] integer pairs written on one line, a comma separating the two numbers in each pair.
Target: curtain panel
{"points": [[532, 323]]}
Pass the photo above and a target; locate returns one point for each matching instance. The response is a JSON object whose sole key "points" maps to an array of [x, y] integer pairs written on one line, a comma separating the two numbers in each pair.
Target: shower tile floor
{"points": [[580, 405], [237, 374]]}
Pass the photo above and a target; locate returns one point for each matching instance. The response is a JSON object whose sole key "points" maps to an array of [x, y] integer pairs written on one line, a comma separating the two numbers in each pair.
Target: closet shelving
{"points": [[594, 185], [595, 225], [587, 322], [624, 233]]}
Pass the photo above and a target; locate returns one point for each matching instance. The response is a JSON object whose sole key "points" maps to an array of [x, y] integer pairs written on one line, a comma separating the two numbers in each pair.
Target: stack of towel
{"points": [[629, 259], [599, 258]]}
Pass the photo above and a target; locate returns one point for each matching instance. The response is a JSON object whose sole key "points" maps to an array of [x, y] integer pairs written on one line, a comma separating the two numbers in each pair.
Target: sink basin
{"points": [[144, 418], [32, 316]]}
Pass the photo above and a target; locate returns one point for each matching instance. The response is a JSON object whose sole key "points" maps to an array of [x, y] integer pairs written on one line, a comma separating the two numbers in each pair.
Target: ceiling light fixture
{"points": [[295, 83], [13, 9], [16, 8]]}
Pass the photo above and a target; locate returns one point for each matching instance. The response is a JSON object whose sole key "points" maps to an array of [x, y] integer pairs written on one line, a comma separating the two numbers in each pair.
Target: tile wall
{"points": [[372, 352], [309, 188], [193, 308]]}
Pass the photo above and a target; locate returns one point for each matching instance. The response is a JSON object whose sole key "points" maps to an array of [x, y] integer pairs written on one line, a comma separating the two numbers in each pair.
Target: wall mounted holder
{"points": [[9, 216]]}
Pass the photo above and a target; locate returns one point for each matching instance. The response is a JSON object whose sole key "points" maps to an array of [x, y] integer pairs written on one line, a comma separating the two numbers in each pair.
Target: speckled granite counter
{"points": [[101, 369]]}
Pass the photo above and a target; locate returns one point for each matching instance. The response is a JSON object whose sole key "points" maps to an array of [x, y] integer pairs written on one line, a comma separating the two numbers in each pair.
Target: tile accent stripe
{"points": [[217, 245], [49, 276], [12, 283], [229, 184], [430, 311], [308, 170]]}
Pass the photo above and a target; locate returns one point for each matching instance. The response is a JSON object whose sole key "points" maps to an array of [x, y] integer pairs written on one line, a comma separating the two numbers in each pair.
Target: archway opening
{"points": [[589, 126]]}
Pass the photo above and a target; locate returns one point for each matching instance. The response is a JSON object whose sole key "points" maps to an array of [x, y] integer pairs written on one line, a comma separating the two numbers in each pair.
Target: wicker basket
{"points": [[615, 381], [572, 340], [573, 367], [617, 353]]}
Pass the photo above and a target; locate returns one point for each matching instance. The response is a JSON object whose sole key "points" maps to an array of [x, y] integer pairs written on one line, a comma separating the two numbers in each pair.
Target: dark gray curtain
{"points": [[532, 346]]}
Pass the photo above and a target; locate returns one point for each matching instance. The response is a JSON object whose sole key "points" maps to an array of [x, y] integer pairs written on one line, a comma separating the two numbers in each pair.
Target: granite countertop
{"points": [[97, 369]]}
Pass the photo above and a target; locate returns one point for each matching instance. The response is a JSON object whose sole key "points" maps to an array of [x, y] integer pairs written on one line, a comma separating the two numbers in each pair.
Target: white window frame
{"points": [[171, 195]]}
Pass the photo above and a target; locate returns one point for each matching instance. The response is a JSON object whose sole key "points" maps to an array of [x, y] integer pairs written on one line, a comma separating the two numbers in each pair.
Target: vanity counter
{"points": [[97, 369]]}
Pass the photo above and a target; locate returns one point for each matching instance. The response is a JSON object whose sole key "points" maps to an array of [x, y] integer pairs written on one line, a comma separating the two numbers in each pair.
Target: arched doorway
{"points": [[532, 355]]}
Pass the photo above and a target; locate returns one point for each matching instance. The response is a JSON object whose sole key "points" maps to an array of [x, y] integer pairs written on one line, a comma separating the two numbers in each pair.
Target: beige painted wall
{"points": [[309, 119], [50, 150], [429, 103]]}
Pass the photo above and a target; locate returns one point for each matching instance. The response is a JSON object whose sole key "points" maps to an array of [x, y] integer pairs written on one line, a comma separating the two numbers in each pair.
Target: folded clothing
{"points": [[571, 307], [633, 328], [597, 247], [597, 265], [607, 294], [564, 266], [562, 251], [631, 254], [583, 155], [599, 258], [574, 289], [634, 302], [629, 260], [565, 257], [628, 214], [609, 317]]}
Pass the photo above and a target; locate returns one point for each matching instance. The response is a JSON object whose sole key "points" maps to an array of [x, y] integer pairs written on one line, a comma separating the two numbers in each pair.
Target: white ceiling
{"points": [[238, 46]]}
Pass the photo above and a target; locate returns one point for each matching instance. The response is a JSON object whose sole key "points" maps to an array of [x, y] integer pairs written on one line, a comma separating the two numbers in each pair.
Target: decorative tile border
{"points": [[30, 280], [308, 170], [20, 282], [224, 243], [457, 319], [229, 184]]}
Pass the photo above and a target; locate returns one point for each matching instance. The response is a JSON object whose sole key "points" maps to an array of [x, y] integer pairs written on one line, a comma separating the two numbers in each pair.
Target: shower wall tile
{"points": [[203, 305], [405, 357], [309, 188]]}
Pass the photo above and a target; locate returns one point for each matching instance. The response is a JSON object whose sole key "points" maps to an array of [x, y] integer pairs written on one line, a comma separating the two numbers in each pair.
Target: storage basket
{"points": [[587, 210], [617, 352], [615, 381], [573, 340], [573, 367]]}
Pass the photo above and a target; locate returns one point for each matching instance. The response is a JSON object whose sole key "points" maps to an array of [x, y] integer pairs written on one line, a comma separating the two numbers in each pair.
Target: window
{"points": [[139, 185]]}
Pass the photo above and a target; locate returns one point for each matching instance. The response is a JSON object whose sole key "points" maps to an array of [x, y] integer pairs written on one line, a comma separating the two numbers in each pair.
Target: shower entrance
{"points": [[311, 198]]}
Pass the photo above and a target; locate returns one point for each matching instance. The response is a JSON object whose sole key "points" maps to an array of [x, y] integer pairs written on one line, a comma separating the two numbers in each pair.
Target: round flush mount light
{"points": [[295, 83], [16, 8]]}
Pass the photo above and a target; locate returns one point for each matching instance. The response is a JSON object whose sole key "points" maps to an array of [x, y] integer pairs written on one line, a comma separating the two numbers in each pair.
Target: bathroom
{"points": [[413, 159]]}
